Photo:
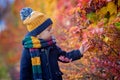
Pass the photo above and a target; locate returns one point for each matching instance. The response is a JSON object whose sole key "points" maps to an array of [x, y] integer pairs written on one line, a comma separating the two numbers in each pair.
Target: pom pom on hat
{"points": [[25, 12], [35, 21]]}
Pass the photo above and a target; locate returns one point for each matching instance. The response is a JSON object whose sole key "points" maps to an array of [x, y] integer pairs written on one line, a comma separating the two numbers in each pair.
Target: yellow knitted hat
{"points": [[34, 20]]}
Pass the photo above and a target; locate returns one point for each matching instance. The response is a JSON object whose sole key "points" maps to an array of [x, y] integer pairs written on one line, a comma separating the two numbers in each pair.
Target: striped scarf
{"points": [[34, 44]]}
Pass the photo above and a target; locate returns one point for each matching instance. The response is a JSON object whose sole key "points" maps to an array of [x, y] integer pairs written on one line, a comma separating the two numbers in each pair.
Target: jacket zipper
{"points": [[47, 54]]}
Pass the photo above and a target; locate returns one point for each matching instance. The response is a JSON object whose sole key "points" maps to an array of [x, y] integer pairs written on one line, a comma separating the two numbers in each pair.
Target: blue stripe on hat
{"points": [[40, 28]]}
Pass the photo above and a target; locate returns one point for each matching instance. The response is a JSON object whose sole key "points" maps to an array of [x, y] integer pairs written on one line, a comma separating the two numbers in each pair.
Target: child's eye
{"points": [[49, 29]]}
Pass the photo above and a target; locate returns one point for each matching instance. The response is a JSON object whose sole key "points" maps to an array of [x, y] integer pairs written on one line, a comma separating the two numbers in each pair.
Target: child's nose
{"points": [[51, 31]]}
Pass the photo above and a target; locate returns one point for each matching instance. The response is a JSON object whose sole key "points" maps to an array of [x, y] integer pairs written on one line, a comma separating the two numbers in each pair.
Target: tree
{"points": [[98, 22]]}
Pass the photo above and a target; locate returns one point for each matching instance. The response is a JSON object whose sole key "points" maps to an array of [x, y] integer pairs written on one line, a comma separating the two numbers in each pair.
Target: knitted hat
{"points": [[35, 21]]}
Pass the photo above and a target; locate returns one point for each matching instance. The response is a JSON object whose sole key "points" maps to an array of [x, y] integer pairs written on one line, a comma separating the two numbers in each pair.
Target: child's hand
{"points": [[84, 47], [65, 59]]}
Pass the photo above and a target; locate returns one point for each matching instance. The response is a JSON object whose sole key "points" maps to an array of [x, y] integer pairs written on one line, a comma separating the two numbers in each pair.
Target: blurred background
{"points": [[75, 21]]}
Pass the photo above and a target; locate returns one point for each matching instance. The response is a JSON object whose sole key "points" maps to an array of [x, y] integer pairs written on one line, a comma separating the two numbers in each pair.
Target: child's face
{"points": [[46, 34]]}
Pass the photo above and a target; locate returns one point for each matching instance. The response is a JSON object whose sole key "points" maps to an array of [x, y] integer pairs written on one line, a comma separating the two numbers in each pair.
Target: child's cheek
{"points": [[46, 35]]}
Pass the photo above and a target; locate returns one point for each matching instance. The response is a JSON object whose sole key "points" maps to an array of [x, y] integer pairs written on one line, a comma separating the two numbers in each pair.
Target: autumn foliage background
{"points": [[75, 21]]}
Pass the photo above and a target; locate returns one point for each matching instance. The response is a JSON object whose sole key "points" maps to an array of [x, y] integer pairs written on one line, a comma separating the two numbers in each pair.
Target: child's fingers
{"points": [[87, 47], [85, 42], [68, 60], [61, 58]]}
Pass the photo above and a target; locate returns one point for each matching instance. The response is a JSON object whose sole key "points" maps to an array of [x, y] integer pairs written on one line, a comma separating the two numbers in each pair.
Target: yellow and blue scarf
{"points": [[34, 44]]}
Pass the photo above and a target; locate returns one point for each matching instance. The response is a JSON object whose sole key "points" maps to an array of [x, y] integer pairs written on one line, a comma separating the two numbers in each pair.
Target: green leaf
{"points": [[92, 17], [3, 70], [117, 25], [112, 8]]}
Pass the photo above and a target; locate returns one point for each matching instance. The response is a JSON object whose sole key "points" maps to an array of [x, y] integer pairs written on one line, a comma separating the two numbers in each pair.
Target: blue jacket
{"points": [[49, 62]]}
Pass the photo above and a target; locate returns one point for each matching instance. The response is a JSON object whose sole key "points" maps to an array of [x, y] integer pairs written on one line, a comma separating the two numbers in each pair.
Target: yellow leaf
{"points": [[112, 18], [118, 2], [102, 11], [112, 8], [86, 69], [106, 39]]}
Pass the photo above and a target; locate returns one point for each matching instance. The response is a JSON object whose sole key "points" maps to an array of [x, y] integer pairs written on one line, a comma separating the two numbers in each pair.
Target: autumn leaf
{"points": [[117, 25], [118, 2], [112, 8], [92, 17], [102, 12], [112, 17], [106, 39]]}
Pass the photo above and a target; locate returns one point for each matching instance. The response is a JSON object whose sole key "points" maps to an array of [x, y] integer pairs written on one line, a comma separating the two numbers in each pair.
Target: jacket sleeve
{"points": [[25, 66], [74, 54]]}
